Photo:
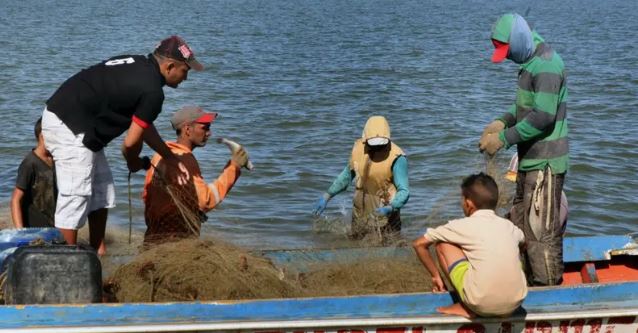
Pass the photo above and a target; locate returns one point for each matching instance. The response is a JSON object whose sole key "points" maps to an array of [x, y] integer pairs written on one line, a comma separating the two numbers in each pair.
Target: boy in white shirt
{"points": [[479, 254]]}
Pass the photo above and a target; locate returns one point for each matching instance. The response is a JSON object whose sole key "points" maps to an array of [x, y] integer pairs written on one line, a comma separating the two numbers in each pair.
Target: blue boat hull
{"points": [[585, 308]]}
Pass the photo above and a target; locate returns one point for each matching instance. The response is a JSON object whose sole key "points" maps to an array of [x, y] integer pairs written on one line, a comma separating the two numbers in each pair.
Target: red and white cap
{"points": [[175, 47], [191, 114]]}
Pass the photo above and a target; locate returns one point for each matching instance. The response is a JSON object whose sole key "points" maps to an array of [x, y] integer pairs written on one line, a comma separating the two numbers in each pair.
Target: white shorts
{"points": [[83, 177]]}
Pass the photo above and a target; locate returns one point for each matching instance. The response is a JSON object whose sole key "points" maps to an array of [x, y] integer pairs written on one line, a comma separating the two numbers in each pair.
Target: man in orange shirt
{"points": [[173, 211]]}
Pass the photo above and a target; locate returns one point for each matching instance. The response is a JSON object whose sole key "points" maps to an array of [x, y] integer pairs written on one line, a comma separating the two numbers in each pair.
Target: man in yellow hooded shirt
{"points": [[379, 169]]}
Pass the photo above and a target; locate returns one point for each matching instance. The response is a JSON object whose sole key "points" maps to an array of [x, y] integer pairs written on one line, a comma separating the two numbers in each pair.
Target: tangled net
{"points": [[370, 276], [172, 210], [189, 270], [194, 270], [506, 189]]}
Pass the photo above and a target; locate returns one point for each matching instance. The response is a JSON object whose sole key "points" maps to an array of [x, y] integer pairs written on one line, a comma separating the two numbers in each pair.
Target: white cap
{"points": [[379, 141]]}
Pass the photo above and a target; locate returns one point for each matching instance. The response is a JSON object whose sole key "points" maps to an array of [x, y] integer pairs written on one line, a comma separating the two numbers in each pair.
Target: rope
{"points": [[146, 164], [3, 280], [550, 200], [130, 209]]}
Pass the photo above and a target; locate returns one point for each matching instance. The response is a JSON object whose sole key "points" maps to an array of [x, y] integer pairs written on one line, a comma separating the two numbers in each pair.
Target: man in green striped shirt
{"points": [[536, 123]]}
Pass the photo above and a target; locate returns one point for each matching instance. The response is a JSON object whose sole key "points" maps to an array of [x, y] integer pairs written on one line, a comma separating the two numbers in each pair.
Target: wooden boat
{"points": [[600, 294]]}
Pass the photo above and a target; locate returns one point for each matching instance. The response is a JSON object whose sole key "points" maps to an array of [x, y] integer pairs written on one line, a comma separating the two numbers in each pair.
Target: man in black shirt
{"points": [[92, 108]]}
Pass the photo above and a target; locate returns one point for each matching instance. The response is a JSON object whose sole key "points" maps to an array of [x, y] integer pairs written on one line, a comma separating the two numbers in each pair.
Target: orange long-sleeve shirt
{"points": [[172, 210]]}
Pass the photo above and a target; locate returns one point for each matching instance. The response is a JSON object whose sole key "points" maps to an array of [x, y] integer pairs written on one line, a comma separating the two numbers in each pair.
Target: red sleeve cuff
{"points": [[140, 122]]}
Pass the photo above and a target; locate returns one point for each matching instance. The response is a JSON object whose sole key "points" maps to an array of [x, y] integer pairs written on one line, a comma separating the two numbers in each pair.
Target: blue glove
{"points": [[384, 211], [321, 204]]}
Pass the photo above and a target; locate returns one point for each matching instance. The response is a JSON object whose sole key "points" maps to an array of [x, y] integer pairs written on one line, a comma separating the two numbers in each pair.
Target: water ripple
{"points": [[294, 81]]}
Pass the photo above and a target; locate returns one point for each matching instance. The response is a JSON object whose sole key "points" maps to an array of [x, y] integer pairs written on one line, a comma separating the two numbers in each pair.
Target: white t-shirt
{"points": [[494, 283]]}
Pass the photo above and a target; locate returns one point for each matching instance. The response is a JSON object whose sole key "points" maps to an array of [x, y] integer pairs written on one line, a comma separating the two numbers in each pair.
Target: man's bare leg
{"points": [[97, 229], [70, 235], [448, 254]]}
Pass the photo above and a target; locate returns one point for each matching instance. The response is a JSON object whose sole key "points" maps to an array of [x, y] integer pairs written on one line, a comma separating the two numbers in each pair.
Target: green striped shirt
{"points": [[537, 122]]}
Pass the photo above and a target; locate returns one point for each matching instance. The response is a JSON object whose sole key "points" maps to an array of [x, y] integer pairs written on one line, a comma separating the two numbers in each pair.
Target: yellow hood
{"points": [[376, 127]]}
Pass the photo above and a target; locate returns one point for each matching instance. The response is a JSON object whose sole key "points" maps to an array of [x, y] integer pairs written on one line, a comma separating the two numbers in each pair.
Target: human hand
{"points": [[321, 204], [239, 157], [146, 163], [437, 285], [135, 164], [491, 143], [494, 127], [235, 149], [384, 211]]}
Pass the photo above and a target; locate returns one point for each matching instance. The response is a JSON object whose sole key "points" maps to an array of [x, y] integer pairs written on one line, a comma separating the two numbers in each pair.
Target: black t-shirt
{"points": [[101, 100], [37, 180]]}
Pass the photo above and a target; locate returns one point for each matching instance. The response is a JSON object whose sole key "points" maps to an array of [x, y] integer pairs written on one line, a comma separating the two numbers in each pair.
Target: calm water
{"points": [[296, 80]]}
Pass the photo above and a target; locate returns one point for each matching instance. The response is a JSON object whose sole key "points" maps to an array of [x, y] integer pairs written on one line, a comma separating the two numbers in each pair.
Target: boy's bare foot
{"points": [[456, 309], [101, 251]]}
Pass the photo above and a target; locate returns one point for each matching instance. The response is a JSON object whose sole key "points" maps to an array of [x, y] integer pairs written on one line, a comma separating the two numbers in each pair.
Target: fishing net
{"points": [[172, 210], [194, 270], [506, 188], [189, 270], [367, 276]]}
